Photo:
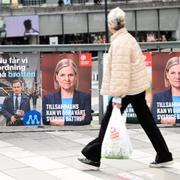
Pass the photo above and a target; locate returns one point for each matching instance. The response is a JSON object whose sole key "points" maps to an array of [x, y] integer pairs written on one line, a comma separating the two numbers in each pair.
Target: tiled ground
{"points": [[52, 155]]}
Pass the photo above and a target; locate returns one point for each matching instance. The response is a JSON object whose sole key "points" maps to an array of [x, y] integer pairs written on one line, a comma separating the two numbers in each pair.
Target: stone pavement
{"points": [[50, 153]]}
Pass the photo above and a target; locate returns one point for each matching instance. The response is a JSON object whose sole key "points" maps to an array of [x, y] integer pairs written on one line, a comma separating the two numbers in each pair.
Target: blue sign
{"points": [[67, 2], [32, 118]]}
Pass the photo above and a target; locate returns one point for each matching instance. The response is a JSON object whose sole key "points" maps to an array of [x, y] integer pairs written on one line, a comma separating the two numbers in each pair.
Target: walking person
{"points": [[125, 79], [34, 97]]}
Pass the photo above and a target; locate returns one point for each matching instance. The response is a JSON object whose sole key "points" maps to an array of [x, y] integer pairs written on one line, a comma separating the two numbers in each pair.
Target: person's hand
{"points": [[116, 101], [13, 119], [169, 120], [20, 113], [57, 123], [83, 115]]}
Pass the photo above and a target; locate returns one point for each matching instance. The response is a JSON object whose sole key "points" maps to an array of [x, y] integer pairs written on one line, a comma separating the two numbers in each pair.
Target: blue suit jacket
{"points": [[164, 97], [8, 106], [80, 98]]}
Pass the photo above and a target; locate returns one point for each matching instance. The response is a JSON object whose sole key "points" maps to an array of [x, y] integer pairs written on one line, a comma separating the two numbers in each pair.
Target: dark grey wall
{"points": [[82, 19], [147, 20]]}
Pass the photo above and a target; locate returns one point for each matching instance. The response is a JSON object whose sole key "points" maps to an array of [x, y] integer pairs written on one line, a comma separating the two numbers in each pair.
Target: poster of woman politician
{"points": [[66, 83], [166, 87]]}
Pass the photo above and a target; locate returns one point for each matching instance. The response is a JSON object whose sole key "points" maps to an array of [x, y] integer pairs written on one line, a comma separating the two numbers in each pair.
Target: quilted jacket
{"points": [[125, 71]]}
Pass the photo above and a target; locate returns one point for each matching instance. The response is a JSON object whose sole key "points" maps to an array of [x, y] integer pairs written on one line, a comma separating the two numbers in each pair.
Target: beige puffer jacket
{"points": [[125, 71]]}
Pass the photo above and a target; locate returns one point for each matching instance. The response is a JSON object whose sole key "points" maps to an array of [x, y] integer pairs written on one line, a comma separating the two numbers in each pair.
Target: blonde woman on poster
{"points": [[66, 106], [166, 104]]}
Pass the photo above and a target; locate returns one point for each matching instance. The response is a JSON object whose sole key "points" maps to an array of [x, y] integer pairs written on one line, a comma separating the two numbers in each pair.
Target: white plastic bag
{"points": [[116, 143]]}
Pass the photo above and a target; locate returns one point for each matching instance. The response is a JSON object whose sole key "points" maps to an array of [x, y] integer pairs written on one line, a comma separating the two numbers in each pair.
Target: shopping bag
{"points": [[116, 143]]}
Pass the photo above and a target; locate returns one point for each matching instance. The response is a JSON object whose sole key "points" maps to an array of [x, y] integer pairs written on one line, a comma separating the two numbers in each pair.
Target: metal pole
{"points": [[100, 73], [87, 17], [136, 31], [158, 16], [106, 21], [63, 35]]}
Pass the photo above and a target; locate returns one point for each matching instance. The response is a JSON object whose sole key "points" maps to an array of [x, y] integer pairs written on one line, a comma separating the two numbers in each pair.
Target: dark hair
{"points": [[16, 81], [27, 24], [120, 24]]}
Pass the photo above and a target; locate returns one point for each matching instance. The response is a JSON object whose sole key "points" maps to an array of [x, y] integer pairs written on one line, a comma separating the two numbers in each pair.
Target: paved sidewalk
{"points": [[51, 154]]}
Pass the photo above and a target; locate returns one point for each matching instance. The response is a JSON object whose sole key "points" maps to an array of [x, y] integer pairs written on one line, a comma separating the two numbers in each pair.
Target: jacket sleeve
{"points": [[27, 107], [7, 114], [120, 70], [106, 73], [116, 77]]}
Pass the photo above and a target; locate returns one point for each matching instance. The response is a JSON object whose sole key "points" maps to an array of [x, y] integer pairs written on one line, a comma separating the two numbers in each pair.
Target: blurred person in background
{"points": [[29, 30]]}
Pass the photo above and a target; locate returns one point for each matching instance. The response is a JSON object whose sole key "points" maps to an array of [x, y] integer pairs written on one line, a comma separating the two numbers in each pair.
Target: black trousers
{"points": [[92, 150]]}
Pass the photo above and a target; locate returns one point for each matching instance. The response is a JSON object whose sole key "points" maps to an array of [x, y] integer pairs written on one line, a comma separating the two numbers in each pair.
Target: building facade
{"points": [[84, 22]]}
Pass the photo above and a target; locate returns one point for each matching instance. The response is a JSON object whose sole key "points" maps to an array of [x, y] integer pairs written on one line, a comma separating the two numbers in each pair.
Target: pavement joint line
{"points": [[143, 159], [86, 127], [48, 130], [58, 172], [43, 163], [4, 176]]}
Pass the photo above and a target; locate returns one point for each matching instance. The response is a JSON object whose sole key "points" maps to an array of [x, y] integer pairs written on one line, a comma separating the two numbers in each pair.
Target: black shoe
{"points": [[89, 162], [161, 164]]}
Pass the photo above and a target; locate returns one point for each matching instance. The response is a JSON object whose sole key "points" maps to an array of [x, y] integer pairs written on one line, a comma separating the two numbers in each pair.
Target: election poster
{"points": [[20, 89], [66, 88], [131, 116], [163, 96], [166, 87]]}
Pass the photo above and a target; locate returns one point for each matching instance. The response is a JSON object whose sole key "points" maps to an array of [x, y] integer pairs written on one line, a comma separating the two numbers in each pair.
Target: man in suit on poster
{"points": [[15, 105]]}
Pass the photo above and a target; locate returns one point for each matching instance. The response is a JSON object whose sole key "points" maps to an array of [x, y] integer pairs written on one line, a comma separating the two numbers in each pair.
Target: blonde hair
{"points": [[116, 18], [61, 64], [171, 62]]}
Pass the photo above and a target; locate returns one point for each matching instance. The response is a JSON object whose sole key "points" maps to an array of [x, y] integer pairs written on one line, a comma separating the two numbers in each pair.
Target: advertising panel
{"points": [[163, 96], [21, 26], [20, 89], [166, 87], [66, 89]]}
